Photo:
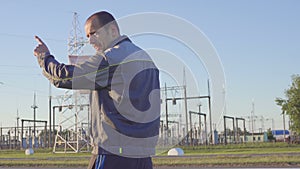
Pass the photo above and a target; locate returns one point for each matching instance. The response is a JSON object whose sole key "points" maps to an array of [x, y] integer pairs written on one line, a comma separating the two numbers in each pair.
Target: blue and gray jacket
{"points": [[125, 97]]}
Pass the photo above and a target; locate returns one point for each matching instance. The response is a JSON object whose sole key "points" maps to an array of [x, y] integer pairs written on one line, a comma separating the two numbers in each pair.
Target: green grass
{"points": [[249, 148], [230, 161], [262, 154], [42, 157], [43, 163]]}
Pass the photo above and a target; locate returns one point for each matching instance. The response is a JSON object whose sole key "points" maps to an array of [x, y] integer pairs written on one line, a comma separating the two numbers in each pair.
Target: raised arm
{"points": [[92, 74]]}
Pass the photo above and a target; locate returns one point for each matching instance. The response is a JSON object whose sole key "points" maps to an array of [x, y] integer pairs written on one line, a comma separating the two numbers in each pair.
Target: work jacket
{"points": [[125, 96]]}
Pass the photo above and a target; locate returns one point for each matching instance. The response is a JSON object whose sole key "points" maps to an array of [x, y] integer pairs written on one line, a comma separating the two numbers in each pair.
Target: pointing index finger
{"points": [[38, 40]]}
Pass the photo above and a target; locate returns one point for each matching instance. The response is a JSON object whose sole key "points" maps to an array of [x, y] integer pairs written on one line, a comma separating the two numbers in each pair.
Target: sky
{"points": [[257, 43]]}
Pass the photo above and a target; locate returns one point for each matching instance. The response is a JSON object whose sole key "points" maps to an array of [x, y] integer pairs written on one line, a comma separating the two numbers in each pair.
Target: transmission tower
{"points": [[75, 41], [73, 127]]}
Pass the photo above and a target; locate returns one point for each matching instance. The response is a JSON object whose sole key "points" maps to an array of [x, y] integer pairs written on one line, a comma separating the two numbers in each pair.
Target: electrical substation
{"points": [[67, 129]]}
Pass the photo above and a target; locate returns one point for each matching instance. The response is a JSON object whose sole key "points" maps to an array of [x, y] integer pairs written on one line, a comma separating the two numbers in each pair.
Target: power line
{"points": [[21, 74], [29, 37], [18, 66], [22, 88]]}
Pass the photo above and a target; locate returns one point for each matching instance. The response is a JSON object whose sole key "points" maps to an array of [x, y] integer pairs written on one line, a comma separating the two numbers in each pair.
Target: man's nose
{"points": [[91, 40]]}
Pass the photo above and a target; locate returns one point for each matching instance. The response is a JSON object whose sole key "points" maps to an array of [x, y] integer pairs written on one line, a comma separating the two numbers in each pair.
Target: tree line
{"points": [[290, 105]]}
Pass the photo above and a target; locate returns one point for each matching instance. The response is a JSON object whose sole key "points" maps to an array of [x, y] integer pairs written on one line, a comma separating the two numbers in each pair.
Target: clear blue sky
{"points": [[257, 41]]}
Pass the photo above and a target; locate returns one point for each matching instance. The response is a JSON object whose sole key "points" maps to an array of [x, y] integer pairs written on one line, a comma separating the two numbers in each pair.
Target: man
{"points": [[125, 96]]}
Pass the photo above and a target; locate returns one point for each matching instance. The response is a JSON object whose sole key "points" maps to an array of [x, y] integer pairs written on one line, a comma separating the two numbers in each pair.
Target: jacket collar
{"points": [[118, 41]]}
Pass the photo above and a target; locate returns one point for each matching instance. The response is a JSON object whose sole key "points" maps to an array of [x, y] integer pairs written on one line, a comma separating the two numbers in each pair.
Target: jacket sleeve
{"points": [[91, 74]]}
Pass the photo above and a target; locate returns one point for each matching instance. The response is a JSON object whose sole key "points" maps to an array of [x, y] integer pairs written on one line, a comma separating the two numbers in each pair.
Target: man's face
{"points": [[98, 36]]}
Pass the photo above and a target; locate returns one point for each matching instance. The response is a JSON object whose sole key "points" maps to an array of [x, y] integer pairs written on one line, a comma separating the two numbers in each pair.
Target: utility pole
{"points": [[50, 105], [186, 114], [34, 107], [262, 123], [209, 111], [272, 120], [17, 129], [252, 120], [18, 118], [166, 95], [283, 116], [200, 121], [186, 109]]}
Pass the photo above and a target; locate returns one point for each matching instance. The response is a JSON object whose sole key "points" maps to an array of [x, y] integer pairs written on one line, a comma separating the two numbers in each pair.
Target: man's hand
{"points": [[41, 49]]}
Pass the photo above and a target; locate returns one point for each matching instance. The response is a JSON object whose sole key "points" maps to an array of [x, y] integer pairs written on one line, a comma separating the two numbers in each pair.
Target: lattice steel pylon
{"points": [[75, 41], [73, 129]]}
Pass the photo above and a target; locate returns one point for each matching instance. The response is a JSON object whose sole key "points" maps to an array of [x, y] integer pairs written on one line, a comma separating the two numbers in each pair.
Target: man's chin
{"points": [[99, 52]]}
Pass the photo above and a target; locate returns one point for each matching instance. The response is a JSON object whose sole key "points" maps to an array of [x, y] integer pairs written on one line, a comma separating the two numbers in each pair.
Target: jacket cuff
{"points": [[42, 58]]}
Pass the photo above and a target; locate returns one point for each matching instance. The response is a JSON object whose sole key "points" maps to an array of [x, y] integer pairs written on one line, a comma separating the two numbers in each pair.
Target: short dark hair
{"points": [[103, 18]]}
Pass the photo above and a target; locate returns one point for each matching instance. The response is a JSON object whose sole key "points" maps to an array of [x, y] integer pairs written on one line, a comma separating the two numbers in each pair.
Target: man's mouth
{"points": [[97, 48]]}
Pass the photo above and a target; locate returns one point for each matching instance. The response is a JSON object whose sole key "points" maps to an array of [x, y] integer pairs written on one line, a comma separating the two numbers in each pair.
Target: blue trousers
{"points": [[119, 162]]}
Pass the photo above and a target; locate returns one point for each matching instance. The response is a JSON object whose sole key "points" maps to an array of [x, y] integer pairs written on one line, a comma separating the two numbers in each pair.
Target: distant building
{"points": [[257, 137], [279, 134], [230, 138], [252, 137]]}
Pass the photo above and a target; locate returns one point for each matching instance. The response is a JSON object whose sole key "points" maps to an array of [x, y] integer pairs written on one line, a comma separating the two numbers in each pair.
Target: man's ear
{"points": [[114, 30]]}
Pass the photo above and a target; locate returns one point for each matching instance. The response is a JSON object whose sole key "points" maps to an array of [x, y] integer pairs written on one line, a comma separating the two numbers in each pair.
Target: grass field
{"points": [[262, 154]]}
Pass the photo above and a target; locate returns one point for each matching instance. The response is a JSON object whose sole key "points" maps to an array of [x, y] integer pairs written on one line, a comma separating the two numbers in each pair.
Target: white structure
{"points": [[29, 151], [175, 152]]}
